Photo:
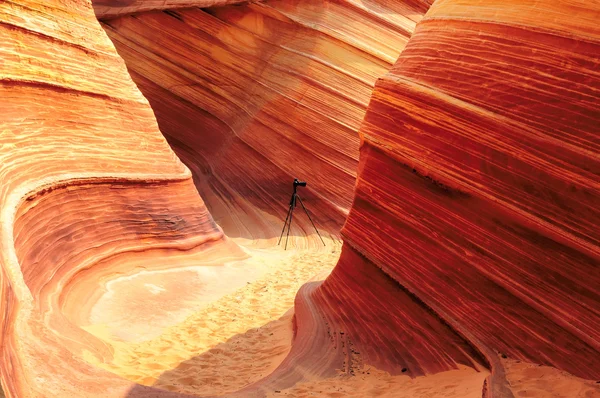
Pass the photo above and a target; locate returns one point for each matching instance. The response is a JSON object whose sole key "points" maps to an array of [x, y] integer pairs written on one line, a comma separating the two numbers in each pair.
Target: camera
{"points": [[298, 183]]}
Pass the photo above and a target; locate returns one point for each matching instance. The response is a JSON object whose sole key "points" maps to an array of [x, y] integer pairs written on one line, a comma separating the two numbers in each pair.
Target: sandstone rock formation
{"points": [[251, 96], [112, 8], [472, 231], [78, 187], [479, 170]]}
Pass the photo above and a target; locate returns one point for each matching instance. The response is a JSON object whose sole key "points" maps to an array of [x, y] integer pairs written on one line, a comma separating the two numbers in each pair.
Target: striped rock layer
{"points": [[113, 8], [472, 229], [478, 185], [86, 178], [252, 96]]}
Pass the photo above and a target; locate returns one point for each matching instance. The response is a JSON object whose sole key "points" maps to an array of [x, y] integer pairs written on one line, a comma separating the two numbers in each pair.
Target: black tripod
{"points": [[290, 214]]}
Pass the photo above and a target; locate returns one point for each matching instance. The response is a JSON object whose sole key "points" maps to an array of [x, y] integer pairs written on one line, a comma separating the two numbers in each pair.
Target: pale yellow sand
{"points": [[233, 341], [369, 382], [241, 330], [530, 380], [242, 336], [139, 307]]}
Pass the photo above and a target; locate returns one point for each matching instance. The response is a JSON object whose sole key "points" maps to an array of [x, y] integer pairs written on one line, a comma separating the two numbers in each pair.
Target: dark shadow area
{"points": [[228, 367]]}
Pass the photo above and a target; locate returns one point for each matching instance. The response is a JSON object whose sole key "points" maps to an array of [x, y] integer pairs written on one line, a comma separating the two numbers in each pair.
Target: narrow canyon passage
{"points": [[147, 152], [250, 96]]}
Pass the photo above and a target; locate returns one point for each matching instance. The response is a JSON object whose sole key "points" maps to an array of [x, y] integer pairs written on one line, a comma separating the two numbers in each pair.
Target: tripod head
{"points": [[298, 183]]}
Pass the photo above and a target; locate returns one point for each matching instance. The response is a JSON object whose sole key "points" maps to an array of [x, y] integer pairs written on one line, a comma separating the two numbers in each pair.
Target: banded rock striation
{"points": [[113, 8], [478, 184], [85, 177], [472, 231], [251, 96]]}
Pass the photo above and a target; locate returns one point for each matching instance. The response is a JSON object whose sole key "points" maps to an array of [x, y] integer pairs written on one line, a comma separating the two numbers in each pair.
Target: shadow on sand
{"points": [[227, 367]]}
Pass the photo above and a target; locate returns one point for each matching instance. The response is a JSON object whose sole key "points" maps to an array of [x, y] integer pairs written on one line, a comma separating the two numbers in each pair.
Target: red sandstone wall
{"points": [[473, 229], [478, 185], [112, 8]]}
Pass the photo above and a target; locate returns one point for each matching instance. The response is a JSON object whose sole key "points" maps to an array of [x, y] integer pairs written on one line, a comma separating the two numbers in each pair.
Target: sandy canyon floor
{"points": [[233, 333], [239, 332], [455, 140], [213, 329]]}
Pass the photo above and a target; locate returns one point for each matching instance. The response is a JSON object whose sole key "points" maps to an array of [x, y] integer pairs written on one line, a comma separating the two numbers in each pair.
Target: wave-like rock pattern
{"points": [[85, 177], [90, 188], [478, 184], [473, 225], [251, 96]]}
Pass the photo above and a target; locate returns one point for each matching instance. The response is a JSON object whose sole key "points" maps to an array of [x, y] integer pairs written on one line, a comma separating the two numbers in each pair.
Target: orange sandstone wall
{"points": [[85, 175], [478, 186], [251, 96]]}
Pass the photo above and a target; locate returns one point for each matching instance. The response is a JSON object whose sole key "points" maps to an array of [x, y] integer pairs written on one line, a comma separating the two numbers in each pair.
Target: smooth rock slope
{"points": [[85, 176]]}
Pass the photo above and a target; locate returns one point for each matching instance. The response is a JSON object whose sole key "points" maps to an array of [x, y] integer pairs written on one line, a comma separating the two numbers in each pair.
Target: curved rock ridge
{"points": [[85, 177], [478, 184], [252, 96], [113, 8]]}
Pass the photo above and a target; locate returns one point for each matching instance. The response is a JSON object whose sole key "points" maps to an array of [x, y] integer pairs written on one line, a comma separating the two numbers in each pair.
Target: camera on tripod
{"points": [[298, 183], [290, 214]]}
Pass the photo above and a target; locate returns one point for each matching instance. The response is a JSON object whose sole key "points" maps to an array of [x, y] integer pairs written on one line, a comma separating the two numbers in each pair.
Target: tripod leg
{"points": [[284, 224], [289, 226], [311, 221]]}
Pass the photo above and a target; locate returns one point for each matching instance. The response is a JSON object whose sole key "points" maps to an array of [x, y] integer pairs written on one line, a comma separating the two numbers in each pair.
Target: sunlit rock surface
{"points": [[86, 178], [112, 8], [472, 231]]}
